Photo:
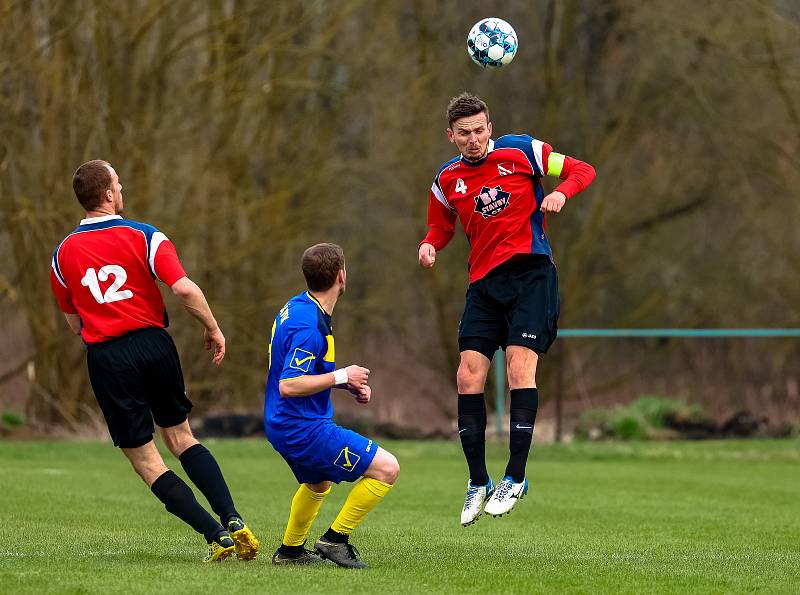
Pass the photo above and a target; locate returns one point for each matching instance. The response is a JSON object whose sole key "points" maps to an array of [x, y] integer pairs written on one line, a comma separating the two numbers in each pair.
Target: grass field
{"points": [[706, 517]]}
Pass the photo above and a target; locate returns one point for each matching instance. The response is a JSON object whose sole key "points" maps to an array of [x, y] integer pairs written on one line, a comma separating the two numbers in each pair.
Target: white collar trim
{"points": [[89, 220]]}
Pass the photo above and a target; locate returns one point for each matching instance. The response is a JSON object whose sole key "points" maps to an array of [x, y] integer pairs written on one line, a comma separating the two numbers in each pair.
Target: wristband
{"points": [[339, 376]]}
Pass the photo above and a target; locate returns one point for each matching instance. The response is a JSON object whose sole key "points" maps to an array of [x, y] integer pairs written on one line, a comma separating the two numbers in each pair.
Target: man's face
{"points": [[471, 135], [116, 191]]}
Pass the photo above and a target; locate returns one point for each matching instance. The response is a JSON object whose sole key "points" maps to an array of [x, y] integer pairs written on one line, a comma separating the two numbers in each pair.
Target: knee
{"points": [[178, 442], [388, 470], [522, 371], [469, 378]]}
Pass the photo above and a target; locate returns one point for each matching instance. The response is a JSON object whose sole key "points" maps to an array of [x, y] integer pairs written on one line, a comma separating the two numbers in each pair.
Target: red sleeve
{"points": [[577, 175], [166, 264], [442, 224], [62, 294]]}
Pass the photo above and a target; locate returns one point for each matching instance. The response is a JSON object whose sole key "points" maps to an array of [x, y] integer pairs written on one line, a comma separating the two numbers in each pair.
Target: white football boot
{"points": [[505, 496], [473, 503]]}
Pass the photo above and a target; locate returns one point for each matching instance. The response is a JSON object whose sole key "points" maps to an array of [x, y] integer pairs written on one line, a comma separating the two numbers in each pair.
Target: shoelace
{"points": [[502, 489], [472, 493]]}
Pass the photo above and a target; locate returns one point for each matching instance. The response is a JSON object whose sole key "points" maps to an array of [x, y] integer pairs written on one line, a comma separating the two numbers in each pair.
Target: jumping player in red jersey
{"points": [[104, 278], [494, 188]]}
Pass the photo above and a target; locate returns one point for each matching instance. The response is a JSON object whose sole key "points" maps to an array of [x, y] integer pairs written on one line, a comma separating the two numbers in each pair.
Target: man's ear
{"points": [[450, 136]]}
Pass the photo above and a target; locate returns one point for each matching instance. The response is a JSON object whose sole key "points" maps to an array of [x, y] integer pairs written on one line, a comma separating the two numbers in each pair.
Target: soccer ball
{"points": [[492, 42]]}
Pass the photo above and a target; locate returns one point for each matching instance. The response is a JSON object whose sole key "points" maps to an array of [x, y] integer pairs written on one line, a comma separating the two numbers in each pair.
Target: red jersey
{"points": [[105, 271], [498, 198]]}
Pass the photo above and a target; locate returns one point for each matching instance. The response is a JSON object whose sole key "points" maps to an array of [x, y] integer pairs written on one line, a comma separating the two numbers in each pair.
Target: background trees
{"points": [[248, 130]]}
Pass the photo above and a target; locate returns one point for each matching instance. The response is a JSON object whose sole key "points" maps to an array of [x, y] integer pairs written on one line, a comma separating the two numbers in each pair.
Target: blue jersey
{"points": [[301, 343]]}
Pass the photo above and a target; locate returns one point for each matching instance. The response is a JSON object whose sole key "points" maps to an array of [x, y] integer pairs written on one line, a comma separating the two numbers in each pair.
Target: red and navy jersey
{"points": [[497, 199], [105, 271]]}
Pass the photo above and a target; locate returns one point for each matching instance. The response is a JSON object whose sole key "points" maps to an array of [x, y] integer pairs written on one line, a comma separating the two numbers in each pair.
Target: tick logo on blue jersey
{"points": [[491, 201], [301, 359], [347, 460]]}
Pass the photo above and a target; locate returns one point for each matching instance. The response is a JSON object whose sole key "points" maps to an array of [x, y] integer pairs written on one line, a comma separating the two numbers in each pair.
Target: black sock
{"points": [[179, 499], [291, 550], [472, 432], [524, 404], [202, 468], [335, 536]]}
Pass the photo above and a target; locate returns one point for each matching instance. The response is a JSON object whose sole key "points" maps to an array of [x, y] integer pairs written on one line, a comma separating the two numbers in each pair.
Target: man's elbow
{"points": [[184, 288], [591, 174], [287, 389]]}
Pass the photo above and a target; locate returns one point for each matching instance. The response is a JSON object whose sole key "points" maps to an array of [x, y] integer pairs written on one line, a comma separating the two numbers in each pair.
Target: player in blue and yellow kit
{"points": [[298, 418]]}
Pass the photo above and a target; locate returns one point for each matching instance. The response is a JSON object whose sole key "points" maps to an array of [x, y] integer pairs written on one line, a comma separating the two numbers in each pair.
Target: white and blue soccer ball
{"points": [[492, 42]]}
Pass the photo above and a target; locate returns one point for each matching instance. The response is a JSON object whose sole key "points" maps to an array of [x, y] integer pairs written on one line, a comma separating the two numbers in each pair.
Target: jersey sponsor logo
{"points": [[505, 168], [347, 460], [528, 336], [491, 201], [301, 359], [456, 165]]}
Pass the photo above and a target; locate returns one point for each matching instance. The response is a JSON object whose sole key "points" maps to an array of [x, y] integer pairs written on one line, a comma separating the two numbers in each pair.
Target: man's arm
{"points": [[310, 384], [193, 300], [577, 175], [74, 322], [442, 225]]}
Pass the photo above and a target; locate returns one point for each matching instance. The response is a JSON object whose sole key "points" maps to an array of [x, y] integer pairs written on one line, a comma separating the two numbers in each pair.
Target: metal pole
{"points": [[500, 389]]}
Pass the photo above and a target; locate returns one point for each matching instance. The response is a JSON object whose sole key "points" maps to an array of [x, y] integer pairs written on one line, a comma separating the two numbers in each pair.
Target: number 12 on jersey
{"points": [[92, 280]]}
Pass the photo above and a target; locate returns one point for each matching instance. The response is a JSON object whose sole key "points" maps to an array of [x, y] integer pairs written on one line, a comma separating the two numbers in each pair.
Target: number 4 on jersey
{"points": [[461, 187], [93, 278]]}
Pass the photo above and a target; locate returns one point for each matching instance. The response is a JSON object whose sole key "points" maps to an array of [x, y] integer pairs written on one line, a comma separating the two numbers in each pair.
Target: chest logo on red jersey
{"points": [[505, 168], [491, 201]]}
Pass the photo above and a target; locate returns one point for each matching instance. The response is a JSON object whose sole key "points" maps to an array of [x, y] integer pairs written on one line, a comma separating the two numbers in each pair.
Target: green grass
{"points": [[710, 517]]}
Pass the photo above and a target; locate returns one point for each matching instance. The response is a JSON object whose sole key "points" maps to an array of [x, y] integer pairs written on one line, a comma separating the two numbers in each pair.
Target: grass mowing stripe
{"points": [[702, 517]]}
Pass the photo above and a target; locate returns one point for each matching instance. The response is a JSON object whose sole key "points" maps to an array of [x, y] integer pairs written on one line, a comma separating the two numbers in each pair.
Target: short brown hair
{"points": [[321, 263], [90, 181], [465, 105]]}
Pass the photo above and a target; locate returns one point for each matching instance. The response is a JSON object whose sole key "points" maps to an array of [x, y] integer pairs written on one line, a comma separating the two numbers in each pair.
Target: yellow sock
{"points": [[366, 493], [305, 506]]}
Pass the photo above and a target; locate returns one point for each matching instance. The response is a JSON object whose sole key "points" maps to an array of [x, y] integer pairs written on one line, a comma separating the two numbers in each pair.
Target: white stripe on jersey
{"points": [[439, 196], [155, 242], [55, 269], [537, 153]]}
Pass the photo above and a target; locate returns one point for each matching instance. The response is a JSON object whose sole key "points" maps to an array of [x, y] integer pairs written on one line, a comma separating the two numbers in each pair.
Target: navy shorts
{"points": [[324, 451], [137, 378], [517, 303]]}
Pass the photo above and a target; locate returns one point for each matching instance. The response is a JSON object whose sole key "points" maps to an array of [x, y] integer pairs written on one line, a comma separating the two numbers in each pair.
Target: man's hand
{"points": [[362, 394], [553, 202], [357, 377], [214, 341], [427, 255]]}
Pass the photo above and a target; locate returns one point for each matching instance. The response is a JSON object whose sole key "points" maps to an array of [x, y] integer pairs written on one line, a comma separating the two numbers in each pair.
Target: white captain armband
{"points": [[339, 376]]}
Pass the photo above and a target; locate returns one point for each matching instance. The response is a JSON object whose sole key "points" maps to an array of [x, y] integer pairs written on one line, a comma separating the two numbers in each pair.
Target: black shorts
{"points": [[517, 303], [137, 378]]}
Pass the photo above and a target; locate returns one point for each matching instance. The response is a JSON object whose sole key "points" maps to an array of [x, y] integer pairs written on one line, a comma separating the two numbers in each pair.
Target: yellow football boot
{"points": [[245, 542], [220, 549]]}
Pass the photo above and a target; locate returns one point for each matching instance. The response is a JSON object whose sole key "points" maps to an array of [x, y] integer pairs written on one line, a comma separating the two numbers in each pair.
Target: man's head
{"points": [[97, 187], [323, 267], [468, 125]]}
